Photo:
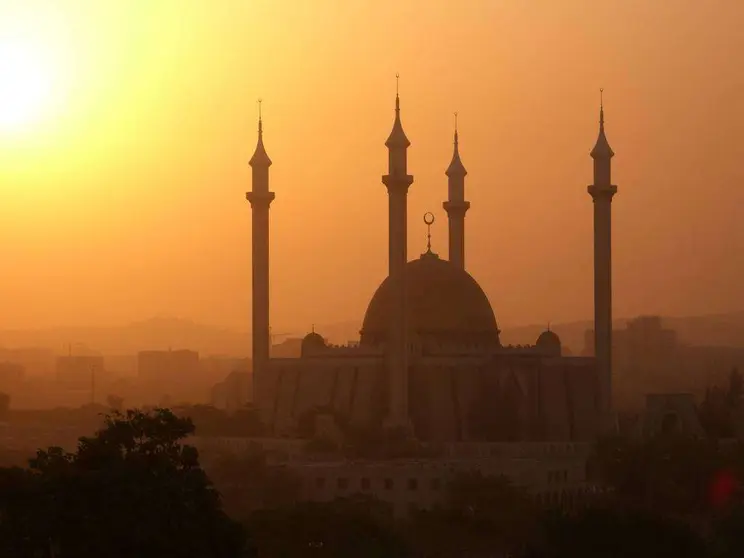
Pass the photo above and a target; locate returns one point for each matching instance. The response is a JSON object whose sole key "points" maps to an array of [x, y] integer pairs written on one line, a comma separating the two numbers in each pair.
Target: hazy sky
{"points": [[124, 198]]}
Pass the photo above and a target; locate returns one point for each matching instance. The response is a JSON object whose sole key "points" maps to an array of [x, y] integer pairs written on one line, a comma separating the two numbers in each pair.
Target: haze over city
{"points": [[123, 189], [412, 279]]}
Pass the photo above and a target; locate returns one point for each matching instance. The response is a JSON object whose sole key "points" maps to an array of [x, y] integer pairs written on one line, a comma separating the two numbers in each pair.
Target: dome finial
{"points": [[601, 108], [397, 92], [455, 129], [260, 123], [429, 221]]}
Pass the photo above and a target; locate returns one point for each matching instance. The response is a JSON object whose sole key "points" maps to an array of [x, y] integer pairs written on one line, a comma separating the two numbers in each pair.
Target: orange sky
{"points": [[127, 199]]}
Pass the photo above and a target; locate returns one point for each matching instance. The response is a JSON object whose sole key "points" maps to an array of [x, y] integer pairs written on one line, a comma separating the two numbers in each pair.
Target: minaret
{"points": [[602, 192], [456, 206], [260, 198], [397, 181]]}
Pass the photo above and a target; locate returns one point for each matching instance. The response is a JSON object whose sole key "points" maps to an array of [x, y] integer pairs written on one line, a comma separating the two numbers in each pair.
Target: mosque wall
{"points": [[555, 397], [503, 398], [477, 398], [352, 387], [585, 400]]}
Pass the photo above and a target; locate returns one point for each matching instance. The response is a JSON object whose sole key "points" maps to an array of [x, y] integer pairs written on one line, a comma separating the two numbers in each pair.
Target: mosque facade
{"points": [[429, 358]]}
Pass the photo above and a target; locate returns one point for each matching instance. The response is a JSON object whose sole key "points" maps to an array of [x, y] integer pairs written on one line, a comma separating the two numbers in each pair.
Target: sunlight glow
{"points": [[26, 85]]}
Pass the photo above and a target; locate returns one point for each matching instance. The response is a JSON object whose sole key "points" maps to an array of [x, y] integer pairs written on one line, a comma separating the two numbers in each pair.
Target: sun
{"points": [[26, 85]]}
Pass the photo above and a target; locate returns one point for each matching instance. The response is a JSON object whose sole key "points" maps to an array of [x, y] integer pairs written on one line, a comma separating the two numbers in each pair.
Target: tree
{"points": [[714, 413], [4, 405], [338, 529], [248, 483], [130, 490], [671, 475], [735, 389], [115, 402], [613, 533]]}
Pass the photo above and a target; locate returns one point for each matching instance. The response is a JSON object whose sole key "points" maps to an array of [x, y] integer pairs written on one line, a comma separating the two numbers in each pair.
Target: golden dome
{"points": [[445, 304]]}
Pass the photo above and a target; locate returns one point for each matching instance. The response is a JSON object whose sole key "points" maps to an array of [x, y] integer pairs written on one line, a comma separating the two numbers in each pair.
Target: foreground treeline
{"points": [[135, 490]]}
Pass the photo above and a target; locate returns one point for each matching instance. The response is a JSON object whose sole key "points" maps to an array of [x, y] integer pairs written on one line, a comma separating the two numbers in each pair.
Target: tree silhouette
{"points": [[338, 529], [735, 389], [248, 483], [613, 533], [115, 402], [130, 490]]}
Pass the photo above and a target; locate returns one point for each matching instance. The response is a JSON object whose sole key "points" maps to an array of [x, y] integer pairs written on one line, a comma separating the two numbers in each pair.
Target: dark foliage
{"points": [[613, 533], [131, 490], [721, 407], [339, 529]]}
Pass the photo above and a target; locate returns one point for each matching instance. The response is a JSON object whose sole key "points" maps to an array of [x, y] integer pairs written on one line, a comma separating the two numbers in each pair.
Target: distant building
{"points": [[233, 392], [11, 376], [553, 473], [172, 377], [79, 372], [121, 365], [670, 413], [649, 358], [217, 368], [36, 361], [289, 348], [167, 366]]}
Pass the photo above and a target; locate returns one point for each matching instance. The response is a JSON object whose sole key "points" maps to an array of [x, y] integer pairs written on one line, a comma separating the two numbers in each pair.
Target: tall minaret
{"points": [[602, 192], [456, 206], [260, 198], [397, 181]]}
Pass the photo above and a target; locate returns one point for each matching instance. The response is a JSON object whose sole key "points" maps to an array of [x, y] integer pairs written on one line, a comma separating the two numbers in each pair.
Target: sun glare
{"points": [[26, 85]]}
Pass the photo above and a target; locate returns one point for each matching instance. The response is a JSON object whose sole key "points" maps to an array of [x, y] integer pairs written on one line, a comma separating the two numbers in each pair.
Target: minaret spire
{"points": [[260, 157], [602, 149], [260, 199], [602, 192], [397, 139], [397, 181], [456, 206]]}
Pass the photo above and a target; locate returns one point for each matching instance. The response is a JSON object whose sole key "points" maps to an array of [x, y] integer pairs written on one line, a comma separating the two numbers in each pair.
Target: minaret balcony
{"points": [[260, 198]]}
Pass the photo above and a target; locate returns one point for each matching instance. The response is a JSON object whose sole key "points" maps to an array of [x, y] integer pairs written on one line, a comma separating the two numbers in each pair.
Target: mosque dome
{"points": [[445, 304], [549, 342], [312, 342]]}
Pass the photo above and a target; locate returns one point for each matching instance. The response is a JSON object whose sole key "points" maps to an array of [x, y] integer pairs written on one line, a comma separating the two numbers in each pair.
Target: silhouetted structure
{"points": [[78, 372], [602, 192], [397, 182], [260, 198], [456, 206], [430, 360], [648, 357]]}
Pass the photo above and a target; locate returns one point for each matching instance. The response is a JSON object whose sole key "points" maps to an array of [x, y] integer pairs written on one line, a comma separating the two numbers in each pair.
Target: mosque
{"points": [[429, 359]]}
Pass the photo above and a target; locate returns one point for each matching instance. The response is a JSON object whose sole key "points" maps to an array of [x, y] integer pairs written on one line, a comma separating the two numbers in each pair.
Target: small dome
{"points": [[549, 342], [445, 303], [312, 342]]}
